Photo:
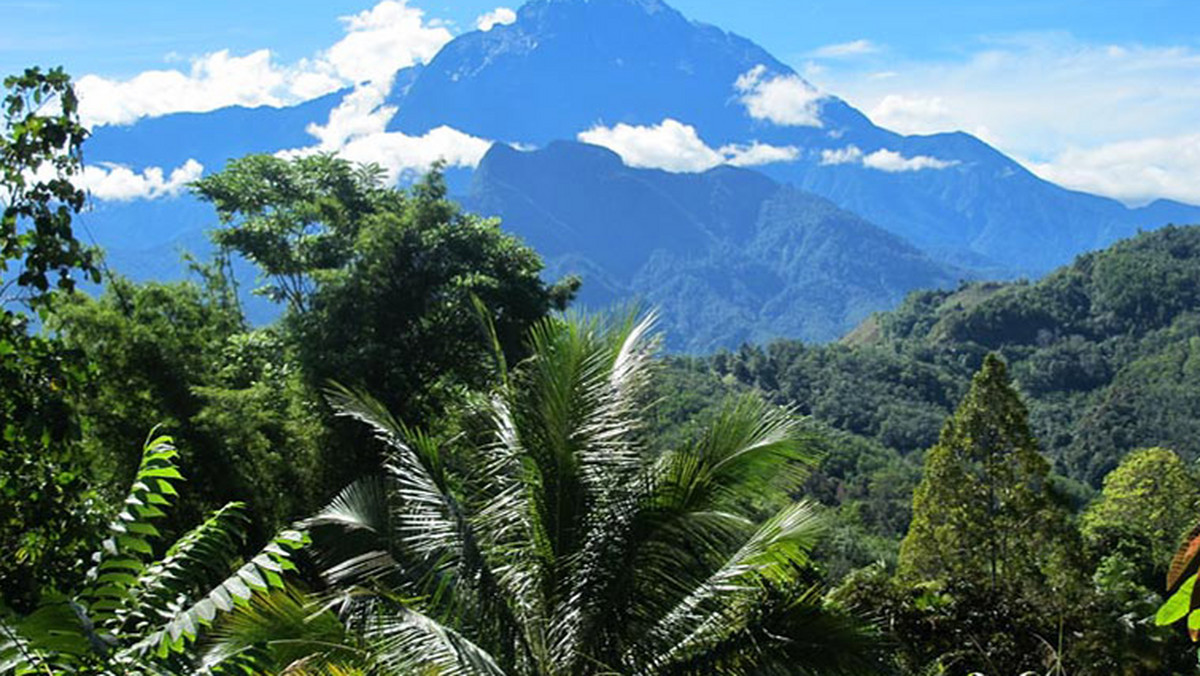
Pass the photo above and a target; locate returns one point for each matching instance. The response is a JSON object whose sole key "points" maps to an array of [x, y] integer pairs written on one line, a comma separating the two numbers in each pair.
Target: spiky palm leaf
{"points": [[568, 548], [284, 631]]}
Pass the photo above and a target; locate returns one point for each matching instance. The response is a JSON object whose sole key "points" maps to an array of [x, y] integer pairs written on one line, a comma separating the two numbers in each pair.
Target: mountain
{"points": [[728, 255], [569, 66], [1104, 351]]}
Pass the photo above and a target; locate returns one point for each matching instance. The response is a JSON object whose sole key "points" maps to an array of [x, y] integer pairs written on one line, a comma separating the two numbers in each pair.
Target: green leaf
{"points": [[206, 610], [221, 599], [250, 575], [238, 589], [1178, 606]]}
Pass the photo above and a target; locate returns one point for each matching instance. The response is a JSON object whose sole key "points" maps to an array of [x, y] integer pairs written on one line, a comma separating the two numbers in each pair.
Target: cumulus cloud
{"points": [[882, 160], [357, 131], [400, 154], [671, 145], [1135, 172], [892, 161], [676, 147], [1063, 104], [377, 43], [756, 154], [111, 182], [900, 112], [382, 40], [785, 100], [501, 16], [361, 113], [847, 155], [214, 81], [846, 50]]}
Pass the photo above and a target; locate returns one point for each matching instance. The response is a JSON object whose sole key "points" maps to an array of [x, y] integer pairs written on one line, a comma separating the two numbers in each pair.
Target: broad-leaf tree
{"points": [[1149, 502], [45, 496], [40, 157], [379, 283]]}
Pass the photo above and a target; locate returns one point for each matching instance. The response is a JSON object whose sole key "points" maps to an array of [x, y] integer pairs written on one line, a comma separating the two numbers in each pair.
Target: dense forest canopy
{"points": [[429, 465]]}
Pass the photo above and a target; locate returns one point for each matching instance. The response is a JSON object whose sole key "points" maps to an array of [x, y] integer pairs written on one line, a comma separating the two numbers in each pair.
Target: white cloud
{"points": [[882, 160], [892, 161], [899, 112], [757, 154], [1135, 172], [846, 50], [847, 155], [1059, 102], [378, 42], [214, 81], [785, 100], [400, 154], [677, 147], [361, 113], [110, 182], [357, 131], [501, 16], [382, 40], [671, 145]]}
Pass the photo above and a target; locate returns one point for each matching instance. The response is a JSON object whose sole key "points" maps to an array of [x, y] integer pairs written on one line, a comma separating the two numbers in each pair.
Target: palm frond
{"points": [[751, 448], [281, 631], [406, 641], [261, 573], [432, 539], [787, 633], [495, 349], [42, 642], [424, 515], [775, 554], [512, 534], [352, 534]]}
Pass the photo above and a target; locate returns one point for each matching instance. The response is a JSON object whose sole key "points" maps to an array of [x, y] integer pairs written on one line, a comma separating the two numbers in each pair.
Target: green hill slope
{"points": [[1105, 350]]}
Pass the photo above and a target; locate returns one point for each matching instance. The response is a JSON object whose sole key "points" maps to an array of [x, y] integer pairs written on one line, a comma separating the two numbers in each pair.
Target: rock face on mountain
{"points": [[728, 255], [569, 66]]}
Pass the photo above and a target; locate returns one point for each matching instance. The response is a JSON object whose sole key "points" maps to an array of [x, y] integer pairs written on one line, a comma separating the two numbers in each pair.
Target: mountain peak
{"points": [[650, 6], [537, 11]]}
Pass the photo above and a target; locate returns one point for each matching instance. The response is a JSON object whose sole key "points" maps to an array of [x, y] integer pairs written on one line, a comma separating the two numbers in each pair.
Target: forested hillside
{"points": [[1105, 352], [727, 256]]}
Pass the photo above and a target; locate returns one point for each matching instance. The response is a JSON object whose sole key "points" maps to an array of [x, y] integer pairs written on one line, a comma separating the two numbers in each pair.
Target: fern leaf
{"points": [[124, 551]]}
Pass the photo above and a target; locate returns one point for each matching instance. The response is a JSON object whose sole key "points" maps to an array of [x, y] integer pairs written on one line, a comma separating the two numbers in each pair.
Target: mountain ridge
{"points": [[727, 255]]}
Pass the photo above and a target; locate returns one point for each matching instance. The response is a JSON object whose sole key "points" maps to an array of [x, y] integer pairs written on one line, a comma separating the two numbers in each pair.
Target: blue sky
{"points": [[1101, 95], [122, 37]]}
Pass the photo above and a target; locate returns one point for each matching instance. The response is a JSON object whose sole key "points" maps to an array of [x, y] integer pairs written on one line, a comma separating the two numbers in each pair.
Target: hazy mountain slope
{"points": [[209, 138], [728, 255]]}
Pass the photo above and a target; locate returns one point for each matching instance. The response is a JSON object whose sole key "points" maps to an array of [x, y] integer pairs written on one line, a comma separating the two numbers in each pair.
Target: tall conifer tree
{"points": [[982, 508]]}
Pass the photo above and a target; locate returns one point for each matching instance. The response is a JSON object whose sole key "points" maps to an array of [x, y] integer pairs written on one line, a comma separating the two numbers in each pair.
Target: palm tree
{"points": [[551, 539], [137, 613]]}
